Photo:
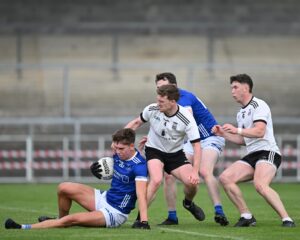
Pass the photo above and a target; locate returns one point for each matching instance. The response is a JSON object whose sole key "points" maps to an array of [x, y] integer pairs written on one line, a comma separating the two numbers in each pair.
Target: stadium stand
{"points": [[68, 60]]}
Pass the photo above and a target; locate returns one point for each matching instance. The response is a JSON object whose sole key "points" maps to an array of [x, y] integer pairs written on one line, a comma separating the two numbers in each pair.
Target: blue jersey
{"points": [[204, 119], [122, 194]]}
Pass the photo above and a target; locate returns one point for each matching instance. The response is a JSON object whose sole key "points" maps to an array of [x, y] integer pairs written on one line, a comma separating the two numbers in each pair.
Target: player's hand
{"points": [[96, 170], [194, 177], [142, 225], [229, 128], [142, 143], [217, 130]]}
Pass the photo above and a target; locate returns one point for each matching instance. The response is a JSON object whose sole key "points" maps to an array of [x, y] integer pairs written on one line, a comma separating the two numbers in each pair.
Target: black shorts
{"points": [[267, 156], [171, 161]]}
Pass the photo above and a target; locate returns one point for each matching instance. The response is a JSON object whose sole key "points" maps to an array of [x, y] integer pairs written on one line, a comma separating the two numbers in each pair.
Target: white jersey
{"points": [[167, 133], [257, 110]]}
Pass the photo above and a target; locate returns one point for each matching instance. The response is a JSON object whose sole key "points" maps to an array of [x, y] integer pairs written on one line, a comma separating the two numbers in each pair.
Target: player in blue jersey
{"points": [[105, 208], [211, 145]]}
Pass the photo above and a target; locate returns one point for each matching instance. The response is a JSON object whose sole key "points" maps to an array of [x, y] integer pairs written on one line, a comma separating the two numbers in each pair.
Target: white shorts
{"points": [[113, 217], [214, 142]]}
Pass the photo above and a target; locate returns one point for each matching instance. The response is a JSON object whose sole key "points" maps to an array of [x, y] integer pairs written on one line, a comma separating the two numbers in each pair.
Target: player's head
{"points": [[242, 79], [170, 91], [167, 97], [123, 141], [125, 136], [165, 78]]}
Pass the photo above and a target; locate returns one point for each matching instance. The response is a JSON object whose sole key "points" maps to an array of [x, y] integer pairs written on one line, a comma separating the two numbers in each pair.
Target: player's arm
{"points": [[257, 131], [229, 132], [135, 123], [141, 192]]}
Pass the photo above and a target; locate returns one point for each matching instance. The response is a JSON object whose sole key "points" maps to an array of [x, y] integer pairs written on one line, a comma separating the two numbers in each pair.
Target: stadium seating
{"points": [[76, 40]]}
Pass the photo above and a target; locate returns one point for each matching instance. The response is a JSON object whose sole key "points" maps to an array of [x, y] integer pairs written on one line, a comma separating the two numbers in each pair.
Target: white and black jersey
{"points": [[258, 110], [167, 133]]}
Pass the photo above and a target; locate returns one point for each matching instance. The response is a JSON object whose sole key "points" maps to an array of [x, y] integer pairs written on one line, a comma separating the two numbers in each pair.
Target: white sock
{"points": [[246, 215], [287, 219], [26, 226]]}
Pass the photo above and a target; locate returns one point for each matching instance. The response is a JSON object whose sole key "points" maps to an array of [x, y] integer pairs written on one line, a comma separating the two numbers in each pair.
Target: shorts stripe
{"points": [[263, 155]]}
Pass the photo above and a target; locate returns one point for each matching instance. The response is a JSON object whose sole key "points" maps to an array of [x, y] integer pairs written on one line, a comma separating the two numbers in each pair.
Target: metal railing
{"points": [[55, 158]]}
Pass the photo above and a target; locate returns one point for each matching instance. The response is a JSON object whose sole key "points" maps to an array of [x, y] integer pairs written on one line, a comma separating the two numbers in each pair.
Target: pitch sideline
{"points": [[201, 234]]}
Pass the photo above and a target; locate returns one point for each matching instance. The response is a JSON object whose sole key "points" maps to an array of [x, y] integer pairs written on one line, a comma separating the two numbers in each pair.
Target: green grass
{"points": [[25, 202]]}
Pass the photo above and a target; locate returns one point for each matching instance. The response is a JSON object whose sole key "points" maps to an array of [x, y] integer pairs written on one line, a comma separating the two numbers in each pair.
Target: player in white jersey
{"points": [[169, 125], [255, 130], [211, 145], [105, 208]]}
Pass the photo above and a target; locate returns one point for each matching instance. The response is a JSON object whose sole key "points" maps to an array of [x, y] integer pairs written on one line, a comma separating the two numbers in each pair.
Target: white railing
{"points": [[56, 158]]}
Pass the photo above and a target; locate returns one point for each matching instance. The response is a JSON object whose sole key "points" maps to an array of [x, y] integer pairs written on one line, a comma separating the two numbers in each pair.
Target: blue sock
{"points": [[26, 226], [219, 210], [172, 215]]}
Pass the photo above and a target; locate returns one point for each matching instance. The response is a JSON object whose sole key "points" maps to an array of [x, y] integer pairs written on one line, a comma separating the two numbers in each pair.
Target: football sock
{"points": [[187, 202], [26, 226], [287, 219], [219, 210], [246, 215], [138, 217], [172, 215]]}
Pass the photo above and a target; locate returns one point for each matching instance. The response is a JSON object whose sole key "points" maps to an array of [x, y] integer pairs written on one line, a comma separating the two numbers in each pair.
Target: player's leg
{"points": [[155, 170], [68, 192], [87, 219], [170, 193], [182, 173], [263, 176], [208, 161], [238, 172], [82, 194]]}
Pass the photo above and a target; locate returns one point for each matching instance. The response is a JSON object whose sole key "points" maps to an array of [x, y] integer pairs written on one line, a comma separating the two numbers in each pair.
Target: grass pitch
{"points": [[25, 202]]}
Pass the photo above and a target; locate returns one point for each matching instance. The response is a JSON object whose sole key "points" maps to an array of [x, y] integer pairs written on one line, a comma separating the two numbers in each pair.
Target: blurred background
{"points": [[73, 72]]}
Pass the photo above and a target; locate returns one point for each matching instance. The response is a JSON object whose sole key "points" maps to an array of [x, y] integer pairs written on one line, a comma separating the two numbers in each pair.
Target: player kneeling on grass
{"points": [[105, 208]]}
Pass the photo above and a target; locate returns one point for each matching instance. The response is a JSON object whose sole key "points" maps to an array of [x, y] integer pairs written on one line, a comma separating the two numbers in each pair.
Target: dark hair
{"points": [[166, 76], [169, 90], [242, 78], [125, 136]]}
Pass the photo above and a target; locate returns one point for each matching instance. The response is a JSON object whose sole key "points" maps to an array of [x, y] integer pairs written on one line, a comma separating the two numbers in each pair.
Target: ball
{"points": [[107, 166]]}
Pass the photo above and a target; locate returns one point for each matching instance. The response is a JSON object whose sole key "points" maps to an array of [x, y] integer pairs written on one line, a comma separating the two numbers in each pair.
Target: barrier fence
{"points": [[58, 158]]}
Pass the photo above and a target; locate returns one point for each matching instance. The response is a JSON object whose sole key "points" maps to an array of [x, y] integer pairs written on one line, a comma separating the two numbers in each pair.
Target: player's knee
{"points": [[155, 182], [260, 188], [169, 179], [63, 188], [224, 179], [204, 173]]}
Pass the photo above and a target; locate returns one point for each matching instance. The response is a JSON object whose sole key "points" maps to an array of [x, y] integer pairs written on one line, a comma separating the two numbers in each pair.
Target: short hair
{"points": [[242, 78], [166, 76], [169, 90], [125, 136]]}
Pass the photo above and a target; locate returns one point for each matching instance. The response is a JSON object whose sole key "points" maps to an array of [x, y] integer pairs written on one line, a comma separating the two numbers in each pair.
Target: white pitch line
{"points": [[26, 210], [201, 234]]}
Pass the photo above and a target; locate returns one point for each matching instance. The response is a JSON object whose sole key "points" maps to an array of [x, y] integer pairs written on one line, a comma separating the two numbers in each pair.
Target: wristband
{"points": [[239, 131]]}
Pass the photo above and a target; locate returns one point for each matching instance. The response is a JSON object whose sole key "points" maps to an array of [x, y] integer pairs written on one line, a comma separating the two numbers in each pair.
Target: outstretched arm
{"points": [[229, 132], [135, 123]]}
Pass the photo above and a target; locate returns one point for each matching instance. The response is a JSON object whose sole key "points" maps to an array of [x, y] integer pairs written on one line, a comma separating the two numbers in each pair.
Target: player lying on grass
{"points": [[105, 208]]}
